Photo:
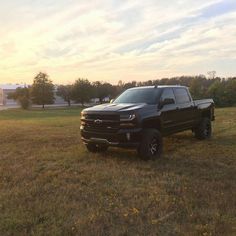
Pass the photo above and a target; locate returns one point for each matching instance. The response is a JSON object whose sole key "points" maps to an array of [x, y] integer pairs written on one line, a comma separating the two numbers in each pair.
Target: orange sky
{"points": [[116, 40]]}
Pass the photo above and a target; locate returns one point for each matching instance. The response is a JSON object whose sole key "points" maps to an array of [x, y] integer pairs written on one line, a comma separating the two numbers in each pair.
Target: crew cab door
{"points": [[185, 115], [169, 112]]}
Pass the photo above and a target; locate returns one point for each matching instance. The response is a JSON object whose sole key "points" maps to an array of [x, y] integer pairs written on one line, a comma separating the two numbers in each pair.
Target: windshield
{"points": [[146, 95]]}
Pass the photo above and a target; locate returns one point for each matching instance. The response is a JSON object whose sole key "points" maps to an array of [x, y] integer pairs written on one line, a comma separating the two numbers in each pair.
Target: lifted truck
{"points": [[141, 116]]}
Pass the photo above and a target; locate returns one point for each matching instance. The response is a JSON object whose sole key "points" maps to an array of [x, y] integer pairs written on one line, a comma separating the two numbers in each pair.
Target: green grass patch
{"points": [[51, 185], [18, 114]]}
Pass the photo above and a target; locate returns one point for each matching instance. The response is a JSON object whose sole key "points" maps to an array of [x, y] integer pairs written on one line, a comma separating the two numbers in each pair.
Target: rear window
{"points": [[181, 95], [167, 93]]}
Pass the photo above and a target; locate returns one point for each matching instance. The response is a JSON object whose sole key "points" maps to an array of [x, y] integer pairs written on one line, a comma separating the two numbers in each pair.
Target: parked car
{"points": [[141, 116]]}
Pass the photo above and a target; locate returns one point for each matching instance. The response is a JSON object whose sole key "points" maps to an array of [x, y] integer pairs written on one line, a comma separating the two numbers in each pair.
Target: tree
{"points": [[22, 95], [42, 90], [82, 91], [130, 85], [211, 74], [65, 91], [197, 89], [218, 93], [119, 88], [230, 89], [102, 90]]}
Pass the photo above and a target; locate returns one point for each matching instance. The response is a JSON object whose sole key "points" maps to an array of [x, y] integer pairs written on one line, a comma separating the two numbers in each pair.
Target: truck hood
{"points": [[113, 107]]}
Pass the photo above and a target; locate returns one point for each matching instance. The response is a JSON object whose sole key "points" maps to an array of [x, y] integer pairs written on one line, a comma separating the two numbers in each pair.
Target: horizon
{"points": [[116, 40], [125, 82]]}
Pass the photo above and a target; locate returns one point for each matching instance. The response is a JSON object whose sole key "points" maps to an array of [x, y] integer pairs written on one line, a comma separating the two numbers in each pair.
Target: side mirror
{"points": [[166, 101], [112, 100]]}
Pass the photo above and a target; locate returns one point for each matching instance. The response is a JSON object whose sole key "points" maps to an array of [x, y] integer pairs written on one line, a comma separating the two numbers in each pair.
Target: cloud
{"points": [[112, 40]]}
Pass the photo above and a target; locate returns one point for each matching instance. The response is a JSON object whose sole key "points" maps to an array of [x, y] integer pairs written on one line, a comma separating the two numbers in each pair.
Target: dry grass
{"points": [[50, 184]]}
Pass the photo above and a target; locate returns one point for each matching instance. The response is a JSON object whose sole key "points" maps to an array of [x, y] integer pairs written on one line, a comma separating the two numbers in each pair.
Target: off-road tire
{"points": [[151, 145], [204, 129]]}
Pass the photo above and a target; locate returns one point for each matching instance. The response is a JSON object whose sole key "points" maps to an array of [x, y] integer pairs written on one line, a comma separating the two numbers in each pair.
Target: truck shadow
{"points": [[183, 155], [182, 165], [171, 144]]}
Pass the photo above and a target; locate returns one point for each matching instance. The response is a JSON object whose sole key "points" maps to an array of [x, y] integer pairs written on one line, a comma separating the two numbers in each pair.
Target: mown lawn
{"points": [[50, 184]]}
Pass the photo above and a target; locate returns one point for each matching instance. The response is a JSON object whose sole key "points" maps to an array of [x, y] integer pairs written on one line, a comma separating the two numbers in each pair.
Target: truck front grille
{"points": [[101, 123]]}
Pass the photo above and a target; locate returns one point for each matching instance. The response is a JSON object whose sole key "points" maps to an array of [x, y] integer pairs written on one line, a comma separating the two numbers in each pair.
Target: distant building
{"points": [[97, 100], [6, 89], [59, 100], [106, 99]]}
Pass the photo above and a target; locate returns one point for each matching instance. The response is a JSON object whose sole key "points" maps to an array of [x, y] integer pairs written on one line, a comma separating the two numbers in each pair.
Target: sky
{"points": [[112, 40]]}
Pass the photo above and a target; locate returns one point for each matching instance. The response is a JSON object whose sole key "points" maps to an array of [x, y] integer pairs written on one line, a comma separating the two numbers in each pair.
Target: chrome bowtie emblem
{"points": [[98, 121]]}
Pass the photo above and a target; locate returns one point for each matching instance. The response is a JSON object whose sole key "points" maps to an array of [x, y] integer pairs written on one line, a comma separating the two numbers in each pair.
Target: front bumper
{"points": [[129, 138]]}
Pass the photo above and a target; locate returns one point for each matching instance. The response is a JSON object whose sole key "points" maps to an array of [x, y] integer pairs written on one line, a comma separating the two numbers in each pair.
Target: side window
{"points": [[167, 93], [181, 95]]}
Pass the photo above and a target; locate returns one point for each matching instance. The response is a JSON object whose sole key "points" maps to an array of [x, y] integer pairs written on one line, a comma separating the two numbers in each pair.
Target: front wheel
{"points": [[92, 147], [204, 129], [151, 145]]}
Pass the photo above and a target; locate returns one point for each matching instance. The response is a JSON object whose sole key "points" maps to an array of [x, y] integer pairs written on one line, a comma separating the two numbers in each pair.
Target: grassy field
{"points": [[50, 184]]}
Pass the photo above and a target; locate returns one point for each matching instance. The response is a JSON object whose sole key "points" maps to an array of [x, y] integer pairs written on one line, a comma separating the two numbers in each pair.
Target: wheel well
{"points": [[152, 124], [206, 114]]}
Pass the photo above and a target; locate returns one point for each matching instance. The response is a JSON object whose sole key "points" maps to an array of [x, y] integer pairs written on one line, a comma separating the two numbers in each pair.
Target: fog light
{"points": [[127, 125], [128, 136]]}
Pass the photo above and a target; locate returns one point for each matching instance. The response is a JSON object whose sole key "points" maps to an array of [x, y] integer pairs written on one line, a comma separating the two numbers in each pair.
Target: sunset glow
{"points": [[114, 40]]}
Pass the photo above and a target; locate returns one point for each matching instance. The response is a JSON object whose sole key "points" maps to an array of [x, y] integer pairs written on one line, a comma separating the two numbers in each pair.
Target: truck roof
{"points": [[159, 86]]}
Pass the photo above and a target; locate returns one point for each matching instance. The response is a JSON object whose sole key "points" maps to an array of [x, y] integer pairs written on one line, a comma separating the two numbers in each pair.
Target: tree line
{"points": [[42, 91]]}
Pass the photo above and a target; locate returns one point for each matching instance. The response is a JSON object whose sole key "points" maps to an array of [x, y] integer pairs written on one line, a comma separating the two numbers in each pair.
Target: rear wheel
{"points": [[151, 145], [204, 129], [93, 147]]}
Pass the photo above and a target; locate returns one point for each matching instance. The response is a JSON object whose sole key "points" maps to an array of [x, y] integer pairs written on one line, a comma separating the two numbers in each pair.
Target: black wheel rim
{"points": [[154, 146], [207, 130]]}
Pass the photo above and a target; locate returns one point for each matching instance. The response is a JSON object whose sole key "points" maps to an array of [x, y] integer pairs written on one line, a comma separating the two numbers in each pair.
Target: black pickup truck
{"points": [[141, 116]]}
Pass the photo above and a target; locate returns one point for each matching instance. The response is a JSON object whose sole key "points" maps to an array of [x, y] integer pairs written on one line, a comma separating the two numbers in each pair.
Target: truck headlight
{"points": [[127, 121], [82, 116], [127, 117]]}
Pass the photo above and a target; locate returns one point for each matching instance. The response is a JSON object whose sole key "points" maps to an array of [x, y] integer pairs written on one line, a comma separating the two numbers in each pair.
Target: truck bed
{"points": [[203, 101]]}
